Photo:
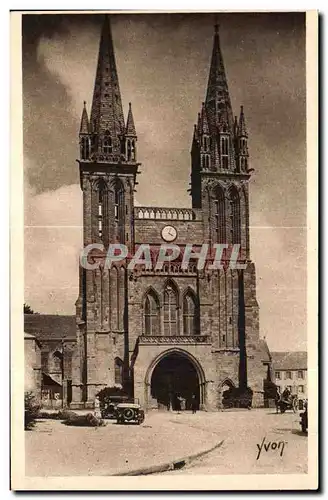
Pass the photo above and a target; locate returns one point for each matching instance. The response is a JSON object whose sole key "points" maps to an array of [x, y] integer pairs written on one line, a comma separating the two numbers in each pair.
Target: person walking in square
{"points": [[194, 403]]}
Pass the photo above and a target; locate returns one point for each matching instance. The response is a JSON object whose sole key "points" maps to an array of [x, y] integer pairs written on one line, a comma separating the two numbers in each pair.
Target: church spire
{"points": [[217, 97], [107, 120]]}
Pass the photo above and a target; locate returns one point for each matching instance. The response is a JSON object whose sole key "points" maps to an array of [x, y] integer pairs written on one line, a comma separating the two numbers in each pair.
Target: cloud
{"points": [[59, 54], [53, 239], [280, 258]]}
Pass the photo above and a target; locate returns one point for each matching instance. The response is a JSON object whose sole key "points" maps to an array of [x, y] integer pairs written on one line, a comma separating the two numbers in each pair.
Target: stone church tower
{"points": [[174, 331]]}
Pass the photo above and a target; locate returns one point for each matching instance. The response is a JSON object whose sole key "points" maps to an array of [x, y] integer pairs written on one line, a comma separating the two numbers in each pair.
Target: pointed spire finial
{"points": [[195, 135], [84, 127], [242, 131], [130, 127]]}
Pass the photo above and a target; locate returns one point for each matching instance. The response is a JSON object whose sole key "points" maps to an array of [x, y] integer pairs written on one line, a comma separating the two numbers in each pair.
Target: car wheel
{"points": [[128, 414]]}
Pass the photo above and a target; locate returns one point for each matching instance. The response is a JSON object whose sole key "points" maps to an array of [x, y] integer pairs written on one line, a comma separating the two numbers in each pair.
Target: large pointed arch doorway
{"points": [[174, 377]]}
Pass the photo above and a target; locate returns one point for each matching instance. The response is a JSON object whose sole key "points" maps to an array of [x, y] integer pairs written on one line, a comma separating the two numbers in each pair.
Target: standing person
{"points": [[194, 403], [168, 405], [178, 403], [97, 412]]}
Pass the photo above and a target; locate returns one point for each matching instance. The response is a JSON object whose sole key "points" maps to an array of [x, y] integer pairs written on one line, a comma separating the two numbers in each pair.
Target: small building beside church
{"points": [[290, 370], [32, 357]]}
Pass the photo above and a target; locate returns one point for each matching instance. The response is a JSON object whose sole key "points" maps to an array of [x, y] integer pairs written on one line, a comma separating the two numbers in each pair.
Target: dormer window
{"points": [[107, 145], [206, 143]]}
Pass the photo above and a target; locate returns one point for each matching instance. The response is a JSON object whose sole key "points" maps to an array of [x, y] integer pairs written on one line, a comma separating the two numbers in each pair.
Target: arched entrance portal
{"points": [[174, 377]]}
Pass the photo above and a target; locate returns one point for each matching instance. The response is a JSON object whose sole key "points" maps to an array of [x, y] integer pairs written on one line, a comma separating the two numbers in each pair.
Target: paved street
{"points": [[242, 431], [53, 449]]}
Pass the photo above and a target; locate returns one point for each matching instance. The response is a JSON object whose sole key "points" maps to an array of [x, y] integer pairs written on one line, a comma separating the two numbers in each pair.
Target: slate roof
{"points": [[50, 326], [293, 360], [28, 336]]}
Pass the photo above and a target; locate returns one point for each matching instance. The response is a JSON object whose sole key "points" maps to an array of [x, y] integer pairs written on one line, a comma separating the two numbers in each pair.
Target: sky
{"points": [[163, 64]]}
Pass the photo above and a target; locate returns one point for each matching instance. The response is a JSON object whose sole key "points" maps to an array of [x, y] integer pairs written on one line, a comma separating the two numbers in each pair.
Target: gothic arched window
{"points": [[170, 310], [129, 150], [101, 207], [151, 314], [119, 210], [57, 359], [235, 216], [243, 163], [225, 152], [133, 150], [219, 214], [85, 149], [243, 145], [118, 371], [189, 315]]}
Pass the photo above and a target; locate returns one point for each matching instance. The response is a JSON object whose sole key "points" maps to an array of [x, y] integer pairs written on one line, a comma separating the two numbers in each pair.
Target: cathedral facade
{"points": [[160, 334]]}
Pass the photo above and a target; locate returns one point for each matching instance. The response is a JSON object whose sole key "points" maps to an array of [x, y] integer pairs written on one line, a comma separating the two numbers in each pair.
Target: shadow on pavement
{"points": [[298, 432]]}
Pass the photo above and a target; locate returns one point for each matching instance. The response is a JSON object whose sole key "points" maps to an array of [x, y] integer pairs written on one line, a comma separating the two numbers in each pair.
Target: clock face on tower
{"points": [[169, 233]]}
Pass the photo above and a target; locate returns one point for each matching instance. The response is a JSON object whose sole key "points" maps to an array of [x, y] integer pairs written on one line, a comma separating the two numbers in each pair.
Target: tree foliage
{"points": [[28, 309], [32, 408]]}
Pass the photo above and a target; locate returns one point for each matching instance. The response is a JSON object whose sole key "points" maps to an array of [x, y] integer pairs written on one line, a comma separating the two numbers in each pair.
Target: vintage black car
{"points": [[304, 419], [129, 412], [108, 407]]}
